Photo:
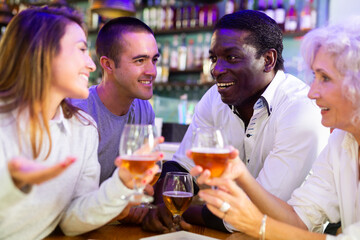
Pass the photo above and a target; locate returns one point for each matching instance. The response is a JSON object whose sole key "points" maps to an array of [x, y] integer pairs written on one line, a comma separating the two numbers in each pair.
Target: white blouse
{"points": [[73, 199], [332, 192]]}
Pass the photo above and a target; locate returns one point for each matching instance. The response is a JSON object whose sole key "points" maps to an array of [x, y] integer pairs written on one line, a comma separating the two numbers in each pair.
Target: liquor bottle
{"points": [[270, 10], [206, 62], [291, 21], [182, 51], [305, 17], [194, 16], [170, 15], [174, 56], [146, 13], [186, 16], [213, 13], [229, 6], [165, 62], [203, 16], [198, 51], [153, 13], [190, 58], [161, 14], [280, 14], [179, 17], [313, 14]]}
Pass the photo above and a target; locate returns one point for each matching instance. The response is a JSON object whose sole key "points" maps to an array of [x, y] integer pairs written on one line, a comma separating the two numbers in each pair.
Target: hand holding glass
{"points": [[138, 152], [178, 192]]}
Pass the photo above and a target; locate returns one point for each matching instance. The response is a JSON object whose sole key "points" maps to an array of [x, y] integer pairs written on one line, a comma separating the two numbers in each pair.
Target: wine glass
{"points": [[178, 192], [210, 150], [152, 183], [138, 152]]}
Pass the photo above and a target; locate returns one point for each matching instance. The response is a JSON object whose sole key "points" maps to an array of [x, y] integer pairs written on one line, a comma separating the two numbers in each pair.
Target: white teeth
{"points": [[84, 77], [324, 108], [145, 82], [225, 84]]}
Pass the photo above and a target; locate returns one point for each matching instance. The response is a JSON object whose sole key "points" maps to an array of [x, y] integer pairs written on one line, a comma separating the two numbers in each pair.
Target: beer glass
{"points": [[178, 192], [138, 152], [210, 150], [152, 183]]}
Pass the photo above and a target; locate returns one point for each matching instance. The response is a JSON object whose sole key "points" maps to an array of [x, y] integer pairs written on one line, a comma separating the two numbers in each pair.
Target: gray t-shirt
{"points": [[110, 126]]}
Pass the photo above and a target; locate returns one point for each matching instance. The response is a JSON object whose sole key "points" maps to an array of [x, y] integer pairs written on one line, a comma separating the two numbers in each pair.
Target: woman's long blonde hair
{"points": [[27, 49]]}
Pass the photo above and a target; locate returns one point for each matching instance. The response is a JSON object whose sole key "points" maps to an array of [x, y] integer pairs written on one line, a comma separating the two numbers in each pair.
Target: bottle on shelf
{"points": [[186, 16], [198, 61], [203, 16], [152, 13], [161, 14], [146, 13], [213, 14], [291, 19], [206, 76], [190, 58], [305, 17], [194, 16], [165, 62], [179, 17], [174, 56], [229, 6], [280, 14], [182, 50], [170, 15], [313, 14], [270, 9]]}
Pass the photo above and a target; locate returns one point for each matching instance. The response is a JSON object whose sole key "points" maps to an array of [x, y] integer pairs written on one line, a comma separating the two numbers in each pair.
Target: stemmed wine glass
{"points": [[138, 152], [178, 192], [210, 150], [152, 183]]}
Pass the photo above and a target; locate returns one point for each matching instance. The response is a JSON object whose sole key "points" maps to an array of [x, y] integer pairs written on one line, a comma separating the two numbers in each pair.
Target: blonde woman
{"points": [[49, 171]]}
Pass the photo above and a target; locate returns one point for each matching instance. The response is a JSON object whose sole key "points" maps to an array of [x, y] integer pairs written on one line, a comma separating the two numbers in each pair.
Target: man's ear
{"points": [[107, 64], [270, 58]]}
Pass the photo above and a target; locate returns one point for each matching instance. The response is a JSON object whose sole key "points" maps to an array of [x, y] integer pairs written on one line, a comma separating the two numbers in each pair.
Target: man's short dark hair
{"points": [[265, 33], [109, 40]]}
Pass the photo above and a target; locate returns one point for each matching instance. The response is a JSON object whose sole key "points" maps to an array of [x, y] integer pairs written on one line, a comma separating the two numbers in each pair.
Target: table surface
{"points": [[134, 232]]}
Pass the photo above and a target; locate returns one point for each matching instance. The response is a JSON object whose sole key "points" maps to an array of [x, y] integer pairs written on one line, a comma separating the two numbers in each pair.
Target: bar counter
{"points": [[134, 232]]}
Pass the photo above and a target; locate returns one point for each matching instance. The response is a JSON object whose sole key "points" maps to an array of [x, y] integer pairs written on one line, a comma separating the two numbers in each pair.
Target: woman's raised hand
{"points": [[28, 172]]}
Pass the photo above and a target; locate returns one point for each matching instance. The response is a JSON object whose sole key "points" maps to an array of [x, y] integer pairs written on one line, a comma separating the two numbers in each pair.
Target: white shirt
{"points": [[73, 199], [332, 192], [278, 147]]}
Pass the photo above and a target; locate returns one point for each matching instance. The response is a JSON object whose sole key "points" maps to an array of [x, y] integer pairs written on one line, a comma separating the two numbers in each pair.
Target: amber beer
{"points": [[138, 164], [177, 202], [213, 159], [156, 177]]}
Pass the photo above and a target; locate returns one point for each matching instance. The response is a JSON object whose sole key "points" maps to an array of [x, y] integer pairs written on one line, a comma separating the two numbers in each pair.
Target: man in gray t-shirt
{"points": [[127, 52]]}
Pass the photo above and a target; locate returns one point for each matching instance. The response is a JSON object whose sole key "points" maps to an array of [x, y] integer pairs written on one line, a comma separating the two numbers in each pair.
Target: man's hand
{"points": [[160, 220], [24, 171], [131, 214]]}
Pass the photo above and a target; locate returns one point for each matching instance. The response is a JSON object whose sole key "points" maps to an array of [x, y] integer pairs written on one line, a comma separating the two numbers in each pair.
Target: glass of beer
{"points": [[210, 150], [139, 152], [178, 192]]}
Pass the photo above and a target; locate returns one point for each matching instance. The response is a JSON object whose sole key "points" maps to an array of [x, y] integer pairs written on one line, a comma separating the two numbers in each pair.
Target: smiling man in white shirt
{"points": [[263, 112]]}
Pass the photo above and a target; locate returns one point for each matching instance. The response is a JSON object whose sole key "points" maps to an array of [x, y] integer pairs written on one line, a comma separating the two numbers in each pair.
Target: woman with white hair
{"points": [[332, 192]]}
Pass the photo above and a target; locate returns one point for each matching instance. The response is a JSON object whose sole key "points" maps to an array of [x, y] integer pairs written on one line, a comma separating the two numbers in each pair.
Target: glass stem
{"points": [[176, 222]]}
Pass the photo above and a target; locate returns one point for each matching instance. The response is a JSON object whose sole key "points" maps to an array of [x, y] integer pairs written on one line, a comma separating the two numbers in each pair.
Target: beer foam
{"points": [[178, 194], [210, 150]]}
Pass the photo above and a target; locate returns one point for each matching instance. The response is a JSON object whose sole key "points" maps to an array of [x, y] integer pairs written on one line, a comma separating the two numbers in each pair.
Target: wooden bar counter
{"points": [[134, 232]]}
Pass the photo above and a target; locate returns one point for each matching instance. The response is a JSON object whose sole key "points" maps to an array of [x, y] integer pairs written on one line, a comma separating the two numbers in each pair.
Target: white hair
{"points": [[343, 42]]}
